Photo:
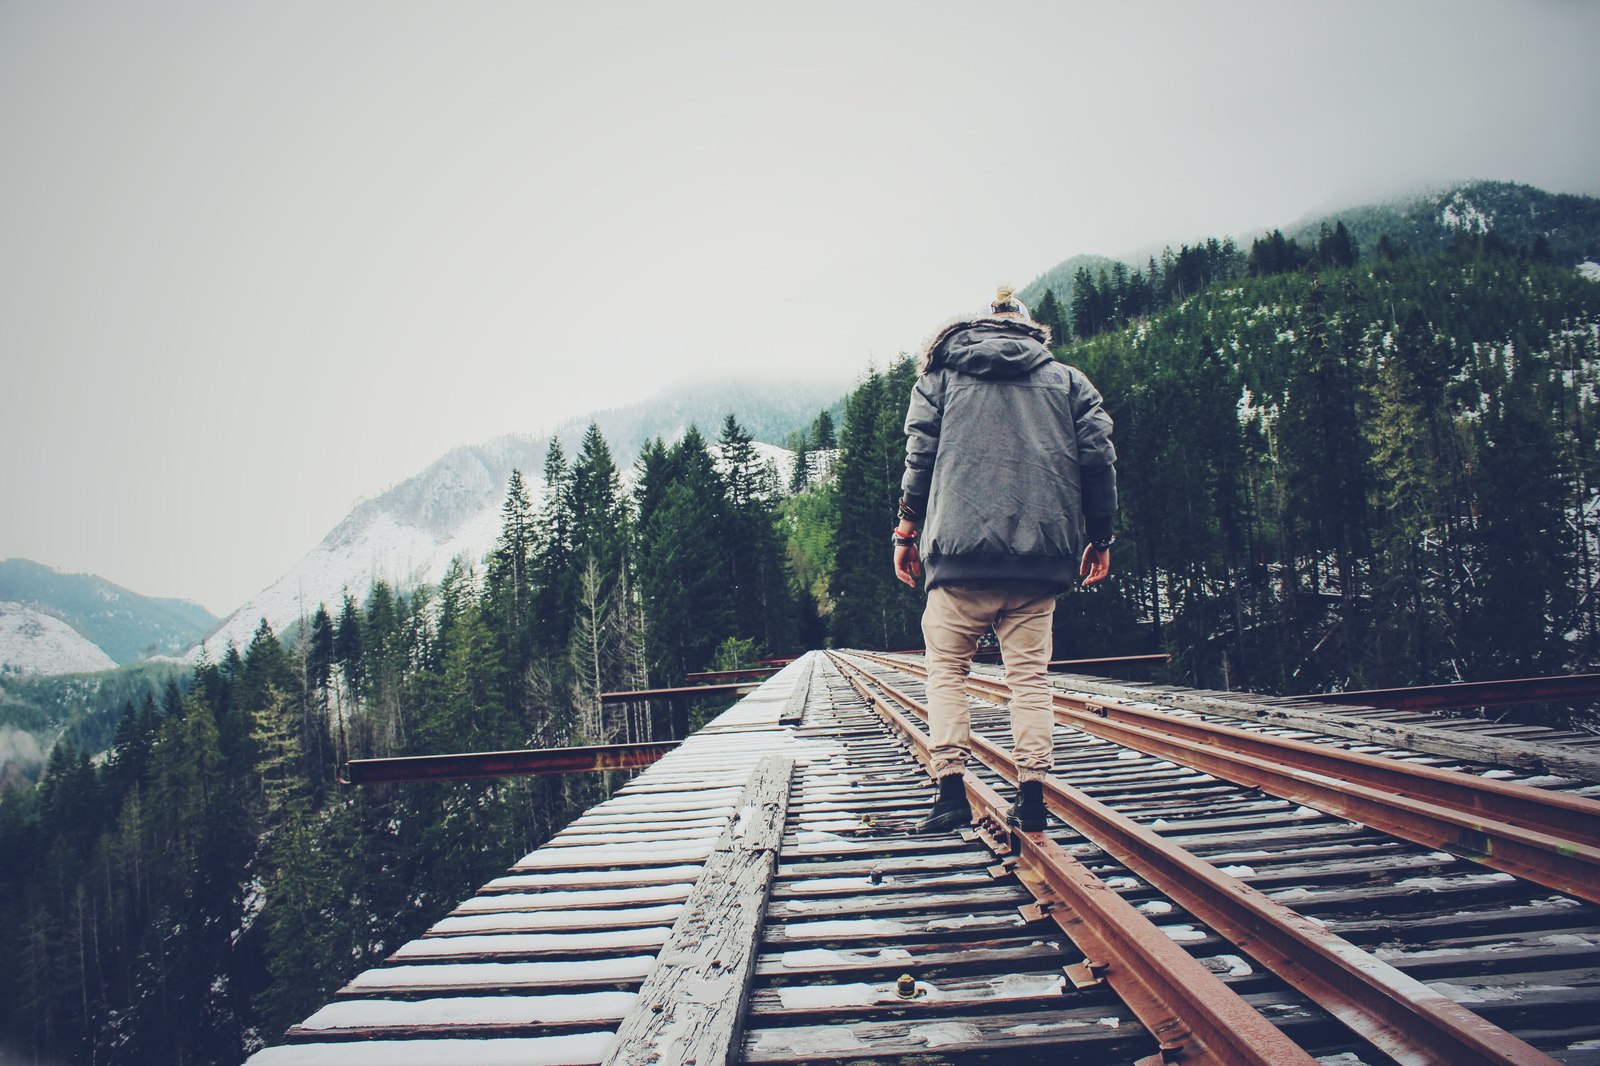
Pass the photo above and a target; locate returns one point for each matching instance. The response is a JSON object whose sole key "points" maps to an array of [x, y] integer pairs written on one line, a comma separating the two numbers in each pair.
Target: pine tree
{"points": [[1049, 314], [277, 765], [599, 517], [1525, 548], [822, 432], [594, 653], [509, 583], [871, 609], [800, 476], [682, 575], [1085, 304], [763, 608], [349, 650], [554, 577]]}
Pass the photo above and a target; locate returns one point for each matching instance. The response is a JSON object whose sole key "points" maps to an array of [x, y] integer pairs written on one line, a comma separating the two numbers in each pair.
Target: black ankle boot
{"points": [[950, 810], [1028, 813]]}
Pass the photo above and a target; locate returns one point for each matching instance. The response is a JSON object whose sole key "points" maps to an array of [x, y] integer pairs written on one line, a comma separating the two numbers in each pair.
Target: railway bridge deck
{"points": [[1225, 880]]}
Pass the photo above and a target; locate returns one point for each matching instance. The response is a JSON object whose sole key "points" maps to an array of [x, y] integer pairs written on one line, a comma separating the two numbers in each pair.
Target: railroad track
{"points": [[1230, 860], [754, 896]]}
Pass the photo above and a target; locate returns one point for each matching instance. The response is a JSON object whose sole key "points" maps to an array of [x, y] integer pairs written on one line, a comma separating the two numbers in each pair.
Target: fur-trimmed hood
{"points": [[987, 346]]}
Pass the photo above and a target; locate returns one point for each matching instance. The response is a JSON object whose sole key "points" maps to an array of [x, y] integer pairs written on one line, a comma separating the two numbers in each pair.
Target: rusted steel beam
{"points": [[780, 661], [691, 692], [1187, 1008], [1398, 1014], [1114, 660], [1564, 688], [478, 764], [730, 675]]}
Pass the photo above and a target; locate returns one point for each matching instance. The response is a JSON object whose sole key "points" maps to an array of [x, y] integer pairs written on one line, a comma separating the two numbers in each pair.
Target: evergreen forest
{"points": [[1343, 464]]}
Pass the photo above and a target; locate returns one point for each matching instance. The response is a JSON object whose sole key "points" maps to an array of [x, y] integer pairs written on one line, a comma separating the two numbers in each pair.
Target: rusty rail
{"points": [[1550, 838], [729, 675], [689, 692], [1189, 1011], [1114, 660], [1401, 1016], [466, 766], [1562, 688]]}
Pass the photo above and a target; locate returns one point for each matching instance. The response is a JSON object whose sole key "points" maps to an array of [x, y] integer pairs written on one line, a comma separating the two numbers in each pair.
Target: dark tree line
{"points": [[207, 883], [1110, 299], [1360, 477]]}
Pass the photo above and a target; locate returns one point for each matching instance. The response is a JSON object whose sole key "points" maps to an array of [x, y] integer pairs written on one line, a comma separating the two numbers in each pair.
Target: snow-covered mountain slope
{"points": [[32, 644], [408, 535]]}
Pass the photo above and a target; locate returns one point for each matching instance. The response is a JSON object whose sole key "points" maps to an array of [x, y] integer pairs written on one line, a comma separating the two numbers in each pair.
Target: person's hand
{"points": [[1096, 565], [907, 564]]}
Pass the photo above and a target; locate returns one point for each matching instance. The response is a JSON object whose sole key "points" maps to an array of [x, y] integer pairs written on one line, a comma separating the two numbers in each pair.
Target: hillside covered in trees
{"points": [[1347, 460], [1338, 470]]}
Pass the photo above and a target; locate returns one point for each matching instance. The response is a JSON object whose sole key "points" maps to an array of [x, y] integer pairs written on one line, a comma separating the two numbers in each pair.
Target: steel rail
{"points": [[1398, 1014], [466, 766], [1190, 1012], [1543, 756], [1550, 838]]}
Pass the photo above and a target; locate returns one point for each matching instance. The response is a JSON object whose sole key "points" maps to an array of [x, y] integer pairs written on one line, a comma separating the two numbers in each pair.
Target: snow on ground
{"points": [[1589, 269], [34, 643]]}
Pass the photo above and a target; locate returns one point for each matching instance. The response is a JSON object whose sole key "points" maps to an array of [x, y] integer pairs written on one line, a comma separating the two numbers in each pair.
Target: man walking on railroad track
{"points": [[1009, 493]]}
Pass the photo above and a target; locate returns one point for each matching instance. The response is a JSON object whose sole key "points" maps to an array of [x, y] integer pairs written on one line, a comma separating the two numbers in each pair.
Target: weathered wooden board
{"points": [[690, 1008]]}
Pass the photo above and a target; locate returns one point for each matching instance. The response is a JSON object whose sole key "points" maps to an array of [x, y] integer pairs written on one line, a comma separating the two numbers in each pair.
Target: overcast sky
{"points": [[259, 260]]}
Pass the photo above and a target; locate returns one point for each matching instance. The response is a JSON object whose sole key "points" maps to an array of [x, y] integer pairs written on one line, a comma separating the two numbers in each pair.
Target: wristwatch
{"points": [[1105, 545]]}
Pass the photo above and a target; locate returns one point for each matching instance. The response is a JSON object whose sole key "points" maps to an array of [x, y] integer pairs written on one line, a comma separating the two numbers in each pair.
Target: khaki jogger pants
{"points": [[952, 623]]}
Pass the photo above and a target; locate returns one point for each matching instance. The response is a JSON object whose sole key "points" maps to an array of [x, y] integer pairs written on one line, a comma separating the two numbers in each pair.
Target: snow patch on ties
{"points": [[945, 1033], [808, 1041], [819, 958], [603, 1008]]}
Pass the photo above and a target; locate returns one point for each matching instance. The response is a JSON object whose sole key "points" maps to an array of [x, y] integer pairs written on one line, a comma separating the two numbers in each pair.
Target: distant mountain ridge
{"points": [[408, 535], [1425, 222], [33, 643], [125, 625]]}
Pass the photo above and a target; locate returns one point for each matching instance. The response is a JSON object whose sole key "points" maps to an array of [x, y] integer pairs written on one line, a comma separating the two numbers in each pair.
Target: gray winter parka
{"points": [[1008, 456]]}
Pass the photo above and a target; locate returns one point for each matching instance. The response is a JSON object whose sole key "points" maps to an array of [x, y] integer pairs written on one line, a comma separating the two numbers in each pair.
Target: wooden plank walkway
{"points": [[544, 964], [848, 940]]}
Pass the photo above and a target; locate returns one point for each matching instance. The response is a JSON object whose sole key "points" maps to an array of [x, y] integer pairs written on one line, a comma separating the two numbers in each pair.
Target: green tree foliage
{"points": [[1317, 473], [822, 432], [682, 578], [871, 609], [755, 558]]}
